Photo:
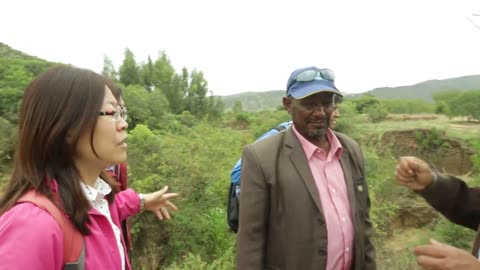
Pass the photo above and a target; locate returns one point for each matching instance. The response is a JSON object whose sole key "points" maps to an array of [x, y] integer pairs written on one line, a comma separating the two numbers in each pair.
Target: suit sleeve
{"points": [[254, 212], [455, 200]]}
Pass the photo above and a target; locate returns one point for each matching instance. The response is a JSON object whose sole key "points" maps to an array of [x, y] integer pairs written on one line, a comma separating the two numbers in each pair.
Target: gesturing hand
{"points": [[439, 256], [413, 173], [158, 201]]}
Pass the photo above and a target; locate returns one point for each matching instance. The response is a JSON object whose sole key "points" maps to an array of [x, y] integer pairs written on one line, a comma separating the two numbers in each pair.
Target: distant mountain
{"points": [[8, 53], [424, 90], [270, 100], [17, 69], [255, 101]]}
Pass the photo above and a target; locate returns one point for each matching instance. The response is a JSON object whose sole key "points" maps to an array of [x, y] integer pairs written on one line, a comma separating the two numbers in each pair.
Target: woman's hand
{"points": [[159, 201]]}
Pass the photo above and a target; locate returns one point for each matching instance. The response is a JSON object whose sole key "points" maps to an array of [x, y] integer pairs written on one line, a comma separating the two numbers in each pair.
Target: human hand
{"points": [[441, 256], [413, 173], [158, 201]]}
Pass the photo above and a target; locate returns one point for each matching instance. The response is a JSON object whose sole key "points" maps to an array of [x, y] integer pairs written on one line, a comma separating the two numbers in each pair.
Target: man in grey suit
{"points": [[304, 200]]}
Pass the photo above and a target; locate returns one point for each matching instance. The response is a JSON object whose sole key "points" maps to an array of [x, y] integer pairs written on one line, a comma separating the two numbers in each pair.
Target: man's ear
{"points": [[287, 104]]}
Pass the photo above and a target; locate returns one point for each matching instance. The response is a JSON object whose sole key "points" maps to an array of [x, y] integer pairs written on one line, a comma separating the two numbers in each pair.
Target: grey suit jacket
{"points": [[282, 225], [459, 203]]}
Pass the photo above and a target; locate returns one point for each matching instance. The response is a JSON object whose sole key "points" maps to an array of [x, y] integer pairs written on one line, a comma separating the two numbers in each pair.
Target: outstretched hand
{"points": [[413, 173], [159, 201], [440, 256]]}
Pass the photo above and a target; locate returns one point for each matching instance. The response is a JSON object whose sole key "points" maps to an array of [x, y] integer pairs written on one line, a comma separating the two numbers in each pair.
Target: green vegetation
{"points": [[463, 103], [429, 140], [181, 137]]}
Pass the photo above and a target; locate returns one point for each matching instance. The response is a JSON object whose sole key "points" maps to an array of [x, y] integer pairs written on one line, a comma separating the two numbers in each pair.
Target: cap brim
{"points": [[303, 90]]}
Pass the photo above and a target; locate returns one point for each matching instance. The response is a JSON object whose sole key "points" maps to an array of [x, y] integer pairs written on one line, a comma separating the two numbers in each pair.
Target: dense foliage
{"points": [[181, 137]]}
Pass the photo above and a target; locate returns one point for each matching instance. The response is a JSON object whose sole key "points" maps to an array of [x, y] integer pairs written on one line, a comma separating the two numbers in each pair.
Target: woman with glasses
{"points": [[71, 128], [119, 173]]}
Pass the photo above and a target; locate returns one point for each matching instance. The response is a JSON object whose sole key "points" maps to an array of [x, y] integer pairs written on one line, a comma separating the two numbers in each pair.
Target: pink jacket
{"points": [[31, 239]]}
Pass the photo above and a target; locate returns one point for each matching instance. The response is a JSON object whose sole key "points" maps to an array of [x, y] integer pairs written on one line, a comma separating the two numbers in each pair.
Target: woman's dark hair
{"points": [[57, 107]]}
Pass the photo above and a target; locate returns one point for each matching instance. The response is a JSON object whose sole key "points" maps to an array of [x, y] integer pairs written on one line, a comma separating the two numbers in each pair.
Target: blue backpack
{"points": [[234, 191]]}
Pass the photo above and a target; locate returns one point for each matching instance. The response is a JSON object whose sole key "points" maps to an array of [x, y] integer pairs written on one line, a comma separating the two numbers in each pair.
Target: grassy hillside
{"points": [[6, 52], [424, 90], [18, 68], [255, 101]]}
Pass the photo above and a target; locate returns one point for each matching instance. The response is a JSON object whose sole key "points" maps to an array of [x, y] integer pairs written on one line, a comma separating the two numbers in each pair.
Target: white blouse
{"points": [[96, 197]]}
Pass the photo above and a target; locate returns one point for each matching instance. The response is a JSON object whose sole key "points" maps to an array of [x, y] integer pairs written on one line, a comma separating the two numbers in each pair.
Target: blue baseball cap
{"points": [[307, 81]]}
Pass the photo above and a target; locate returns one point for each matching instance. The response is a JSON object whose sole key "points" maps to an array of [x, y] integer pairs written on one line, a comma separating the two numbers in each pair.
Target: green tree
{"points": [[216, 107], [9, 102], [464, 103], [176, 97], [136, 99], [196, 96], [376, 113], [163, 72], [441, 107], [129, 71], [146, 71], [8, 141], [13, 74], [365, 102], [157, 106], [237, 107], [109, 69]]}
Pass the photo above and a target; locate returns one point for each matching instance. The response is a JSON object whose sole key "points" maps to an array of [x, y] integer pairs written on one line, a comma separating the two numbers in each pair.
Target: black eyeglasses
{"points": [[312, 75], [116, 114], [327, 105]]}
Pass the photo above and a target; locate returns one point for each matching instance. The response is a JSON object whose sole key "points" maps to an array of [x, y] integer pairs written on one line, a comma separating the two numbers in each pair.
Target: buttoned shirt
{"points": [[330, 182], [96, 197]]}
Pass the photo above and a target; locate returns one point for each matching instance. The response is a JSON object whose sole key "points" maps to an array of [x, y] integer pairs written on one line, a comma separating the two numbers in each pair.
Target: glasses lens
{"points": [[311, 74], [327, 74], [307, 75]]}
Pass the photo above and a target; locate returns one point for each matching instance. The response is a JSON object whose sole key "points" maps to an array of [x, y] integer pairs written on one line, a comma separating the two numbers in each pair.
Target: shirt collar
{"points": [[310, 149], [98, 191]]}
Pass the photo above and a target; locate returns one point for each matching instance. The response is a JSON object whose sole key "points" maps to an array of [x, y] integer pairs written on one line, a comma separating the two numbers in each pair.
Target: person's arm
{"points": [[30, 238], [254, 208], [447, 194], [128, 203], [455, 200]]}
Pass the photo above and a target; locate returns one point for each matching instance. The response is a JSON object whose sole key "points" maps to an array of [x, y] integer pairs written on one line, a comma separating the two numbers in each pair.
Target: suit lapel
{"points": [[297, 157], [347, 173]]}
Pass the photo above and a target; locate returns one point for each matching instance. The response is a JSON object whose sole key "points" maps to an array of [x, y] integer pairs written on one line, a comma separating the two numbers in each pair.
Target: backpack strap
{"points": [[73, 245], [280, 128]]}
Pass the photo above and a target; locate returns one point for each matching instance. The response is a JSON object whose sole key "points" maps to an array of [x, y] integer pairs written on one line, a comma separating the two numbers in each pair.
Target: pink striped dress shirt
{"points": [[330, 181]]}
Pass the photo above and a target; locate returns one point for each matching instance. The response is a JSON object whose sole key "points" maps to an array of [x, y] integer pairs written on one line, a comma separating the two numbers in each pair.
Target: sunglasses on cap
{"points": [[312, 75]]}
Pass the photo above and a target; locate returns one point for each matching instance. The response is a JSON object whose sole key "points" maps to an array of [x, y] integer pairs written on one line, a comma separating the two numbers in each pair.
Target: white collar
{"points": [[98, 191]]}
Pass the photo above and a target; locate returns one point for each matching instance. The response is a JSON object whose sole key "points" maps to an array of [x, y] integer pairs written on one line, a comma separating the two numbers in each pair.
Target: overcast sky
{"points": [[253, 45]]}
